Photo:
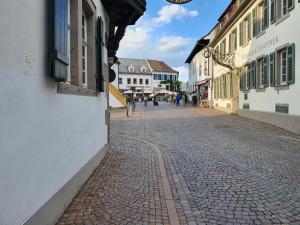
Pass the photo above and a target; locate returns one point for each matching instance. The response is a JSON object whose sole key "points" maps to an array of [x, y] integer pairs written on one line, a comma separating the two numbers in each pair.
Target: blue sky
{"points": [[168, 32]]}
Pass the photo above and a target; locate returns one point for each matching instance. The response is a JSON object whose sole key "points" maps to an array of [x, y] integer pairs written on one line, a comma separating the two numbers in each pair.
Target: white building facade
{"points": [[53, 114], [259, 35], [134, 73], [201, 71]]}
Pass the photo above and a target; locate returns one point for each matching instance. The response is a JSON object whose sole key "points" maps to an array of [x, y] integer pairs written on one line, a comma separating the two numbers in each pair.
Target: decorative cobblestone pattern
{"points": [[222, 170]]}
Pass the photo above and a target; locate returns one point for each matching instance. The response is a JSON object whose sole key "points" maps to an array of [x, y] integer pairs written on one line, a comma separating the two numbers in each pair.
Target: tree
{"points": [[175, 85]]}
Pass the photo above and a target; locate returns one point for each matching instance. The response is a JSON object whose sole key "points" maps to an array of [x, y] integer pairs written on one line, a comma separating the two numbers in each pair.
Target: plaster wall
{"points": [[45, 137], [125, 86], [275, 36]]}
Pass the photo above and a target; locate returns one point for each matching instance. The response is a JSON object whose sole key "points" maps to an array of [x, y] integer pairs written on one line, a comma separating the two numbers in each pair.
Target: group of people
{"points": [[178, 98], [146, 99]]}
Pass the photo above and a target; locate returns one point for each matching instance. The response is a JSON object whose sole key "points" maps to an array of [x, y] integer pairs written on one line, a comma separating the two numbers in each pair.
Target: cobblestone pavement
{"points": [[221, 170]]}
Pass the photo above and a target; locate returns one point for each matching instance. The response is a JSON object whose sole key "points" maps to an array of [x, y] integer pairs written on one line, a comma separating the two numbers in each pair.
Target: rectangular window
{"points": [[84, 51], [166, 77], [233, 41], [282, 108], [128, 80], [200, 69], [120, 80], [282, 66], [141, 81], [260, 18], [260, 73], [147, 81], [223, 49], [282, 8], [206, 68], [134, 81], [159, 77]]}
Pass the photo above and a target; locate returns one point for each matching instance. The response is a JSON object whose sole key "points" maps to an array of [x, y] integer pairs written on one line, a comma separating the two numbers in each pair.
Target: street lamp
{"points": [[179, 1]]}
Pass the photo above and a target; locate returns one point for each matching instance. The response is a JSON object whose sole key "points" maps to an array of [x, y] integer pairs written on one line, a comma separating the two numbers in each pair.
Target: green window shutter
{"points": [[273, 11], [225, 86], [254, 22], [215, 96], [272, 69], [231, 86], [99, 70], [253, 68], [266, 13], [291, 63], [249, 27], [291, 4], [59, 42], [249, 77], [241, 34], [235, 39], [241, 78], [266, 71]]}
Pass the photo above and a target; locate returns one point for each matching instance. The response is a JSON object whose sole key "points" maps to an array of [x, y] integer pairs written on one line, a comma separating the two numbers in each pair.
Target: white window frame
{"points": [[120, 80], [282, 66], [131, 68], [280, 8], [129, 79], [260, 18], [84, 48], [260, 72]]}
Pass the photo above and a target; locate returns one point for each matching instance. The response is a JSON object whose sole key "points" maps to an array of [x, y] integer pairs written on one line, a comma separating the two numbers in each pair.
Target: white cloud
{"points": [[183, 73], [135, 38], [169, 12], [171, 44]]}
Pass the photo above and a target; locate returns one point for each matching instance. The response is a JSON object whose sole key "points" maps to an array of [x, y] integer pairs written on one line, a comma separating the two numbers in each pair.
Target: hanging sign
{"points": [[179, 1]]}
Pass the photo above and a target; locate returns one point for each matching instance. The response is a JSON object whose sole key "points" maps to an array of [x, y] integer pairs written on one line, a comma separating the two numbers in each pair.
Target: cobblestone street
{"points": [[182, 165]]}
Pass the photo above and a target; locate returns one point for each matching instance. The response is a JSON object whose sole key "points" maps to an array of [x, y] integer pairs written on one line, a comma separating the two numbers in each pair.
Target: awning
{"points": [[201, 82]]}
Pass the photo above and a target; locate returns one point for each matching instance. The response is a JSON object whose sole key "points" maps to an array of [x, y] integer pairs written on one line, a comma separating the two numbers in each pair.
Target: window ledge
{"points": [[69, 89], [282, 87], [260, 89], [260, 34], [279, 20]]}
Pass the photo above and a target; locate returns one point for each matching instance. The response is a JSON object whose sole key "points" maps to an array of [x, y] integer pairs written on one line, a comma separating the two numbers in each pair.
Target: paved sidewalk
{"points": [[182, 165]]}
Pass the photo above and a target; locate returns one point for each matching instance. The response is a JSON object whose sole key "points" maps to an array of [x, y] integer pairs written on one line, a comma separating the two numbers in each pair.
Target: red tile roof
{"points": [[159, 66]]}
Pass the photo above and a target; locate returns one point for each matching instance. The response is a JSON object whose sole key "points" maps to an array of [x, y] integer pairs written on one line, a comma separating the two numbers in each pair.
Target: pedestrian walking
{"points": [[177, 100], [145, 101]]}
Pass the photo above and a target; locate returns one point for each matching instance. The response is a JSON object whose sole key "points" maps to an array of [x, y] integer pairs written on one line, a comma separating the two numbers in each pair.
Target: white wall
{"points": [[45, 137], [284, 33], [114, 102], [125, 86]]}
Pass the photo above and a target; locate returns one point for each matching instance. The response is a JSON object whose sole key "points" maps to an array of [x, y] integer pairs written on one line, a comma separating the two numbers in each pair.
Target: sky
{"points": [[168, 32]]}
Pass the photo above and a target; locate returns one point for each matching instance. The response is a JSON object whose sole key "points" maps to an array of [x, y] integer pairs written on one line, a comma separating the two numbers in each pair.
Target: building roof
{"points": [[200, 45], [159, 66], [125, 63]]}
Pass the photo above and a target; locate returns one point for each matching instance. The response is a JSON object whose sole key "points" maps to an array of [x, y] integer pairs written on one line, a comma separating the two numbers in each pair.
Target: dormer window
{"points": [[143, 69], [131, 68]]}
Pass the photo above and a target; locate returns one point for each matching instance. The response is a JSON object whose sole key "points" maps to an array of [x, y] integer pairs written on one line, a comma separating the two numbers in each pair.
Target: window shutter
{"points": [[230, 43], [273, 11], [241, 34], [266, 71], [59, 42], [266, 13], [291, 4], [99, 77], [254, 22], [249, 27], [249, 76], [291, 63], [241, 78], [253, 66], [235, 39], [231, 86], [272, 69]]}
